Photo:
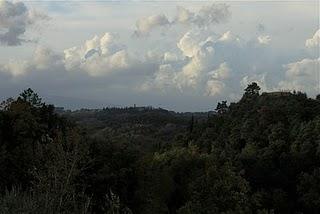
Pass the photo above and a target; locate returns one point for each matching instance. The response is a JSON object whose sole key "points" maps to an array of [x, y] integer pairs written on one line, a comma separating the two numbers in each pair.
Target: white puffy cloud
{"points": [[184, 15], [99, 65], [15, 19], [228, 37], [264, 39], [215, 84], [188, 45], [202, 67], [305, 67], [98, 56], [314, 41], [223, 72], [183, 65], [197, 65], [46, 59], [302, 76], [146, 24], [214, 14], [164, 77], [193, 68], [206, 16], [170, 57], [15, 68], [215, 87], [183, 71], [200, 55], [190, 73], [43, 60]]}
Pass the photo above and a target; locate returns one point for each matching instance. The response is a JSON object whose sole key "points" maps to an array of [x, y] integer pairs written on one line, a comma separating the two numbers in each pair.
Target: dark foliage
{"points": [[260, 155]]}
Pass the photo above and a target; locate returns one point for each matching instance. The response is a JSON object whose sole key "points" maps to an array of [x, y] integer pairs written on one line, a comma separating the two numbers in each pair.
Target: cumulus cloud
{"points": [[197, 59], [204, 66], [196, 69], [198, 65], [146, 24], [264, 39], [164, 79], [15, 68], [314, 41], [77, 71], [184, 70], [214, 87], [190, 73], [200, 55], [302, 76], [43, 60], [170, 57], [305, 67], [200, 62], [188, 45], [206, 16], [228, 37], [98, 56], [215, 84], [15, 19], [184, 15], [223, 72]]}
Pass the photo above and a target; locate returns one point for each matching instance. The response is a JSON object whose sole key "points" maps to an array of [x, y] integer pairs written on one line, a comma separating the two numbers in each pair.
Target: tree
{"points": [[252, 89], [191, 124], [222, 107], [260, 155], [31, 97], [219, 189], [309, 190]]}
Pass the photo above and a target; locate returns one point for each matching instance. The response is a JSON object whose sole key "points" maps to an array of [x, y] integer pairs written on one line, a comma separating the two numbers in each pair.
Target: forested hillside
{"points": [[259, 155]]}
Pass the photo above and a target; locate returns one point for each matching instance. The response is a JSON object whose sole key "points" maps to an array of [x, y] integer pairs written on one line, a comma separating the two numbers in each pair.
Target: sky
{"points": [[178, 55]]}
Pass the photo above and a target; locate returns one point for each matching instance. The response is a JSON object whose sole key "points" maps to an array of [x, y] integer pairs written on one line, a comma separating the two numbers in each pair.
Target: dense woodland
{"points": [[259, 155]]}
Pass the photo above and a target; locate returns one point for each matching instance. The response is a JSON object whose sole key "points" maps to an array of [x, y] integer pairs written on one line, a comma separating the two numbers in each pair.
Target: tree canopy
{"points": [[259, 155]]}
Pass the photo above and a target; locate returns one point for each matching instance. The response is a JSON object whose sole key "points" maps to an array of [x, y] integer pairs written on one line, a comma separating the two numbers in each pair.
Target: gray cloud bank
{"points": [[15, 19]]}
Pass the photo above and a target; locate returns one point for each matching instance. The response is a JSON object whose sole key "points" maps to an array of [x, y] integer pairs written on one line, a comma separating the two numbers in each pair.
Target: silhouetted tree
{"points": [[252, 89], [222, 107], [31, 97]]}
